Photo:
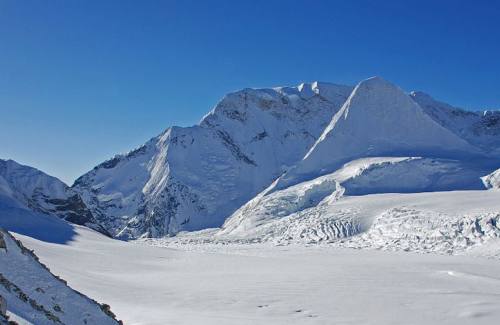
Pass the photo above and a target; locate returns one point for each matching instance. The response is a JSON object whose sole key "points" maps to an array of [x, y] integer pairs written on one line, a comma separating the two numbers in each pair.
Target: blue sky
{"points": [[83, 80]]}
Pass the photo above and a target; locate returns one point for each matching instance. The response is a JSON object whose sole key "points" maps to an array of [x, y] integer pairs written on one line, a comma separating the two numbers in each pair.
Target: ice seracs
{"points": [[313, 200], [332, 92]]}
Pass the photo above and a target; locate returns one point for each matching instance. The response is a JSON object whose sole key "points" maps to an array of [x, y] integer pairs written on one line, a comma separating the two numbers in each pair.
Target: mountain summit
{"points": [[378, 119]]}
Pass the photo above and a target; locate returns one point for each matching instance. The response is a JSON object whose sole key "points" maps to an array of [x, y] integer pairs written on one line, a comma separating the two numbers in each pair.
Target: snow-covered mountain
{"points": [[378, 119], [370, 147], [194, 177], [31, 294], [191, 178], [24, 187], [492, 180]]}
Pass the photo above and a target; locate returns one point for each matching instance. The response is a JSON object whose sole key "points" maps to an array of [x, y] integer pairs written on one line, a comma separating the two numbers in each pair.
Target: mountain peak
{"points": [[379, 86], [378, 119], [375, 80]]}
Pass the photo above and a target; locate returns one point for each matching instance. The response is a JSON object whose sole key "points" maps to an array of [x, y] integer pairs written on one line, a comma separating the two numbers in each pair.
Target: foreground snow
{"points": [[256, 284], [200, 278]]}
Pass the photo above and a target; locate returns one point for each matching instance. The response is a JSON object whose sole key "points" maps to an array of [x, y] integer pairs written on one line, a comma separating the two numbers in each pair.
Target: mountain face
{"points": [[194, 177], [31, 294], [481, 129], [28, 188], [191, 178]]}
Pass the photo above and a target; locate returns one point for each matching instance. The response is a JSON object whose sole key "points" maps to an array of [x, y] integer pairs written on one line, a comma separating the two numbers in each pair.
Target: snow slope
{"points": [[33, 295], [24, 187], [231, 283], [193, 178]]}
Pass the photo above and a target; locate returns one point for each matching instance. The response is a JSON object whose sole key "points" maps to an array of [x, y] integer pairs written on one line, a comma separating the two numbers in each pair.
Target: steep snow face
{"points": [[492, 180], [314, 199], [378, 119], [193, 178], [28, 188], [481, 129], [33, 295]]}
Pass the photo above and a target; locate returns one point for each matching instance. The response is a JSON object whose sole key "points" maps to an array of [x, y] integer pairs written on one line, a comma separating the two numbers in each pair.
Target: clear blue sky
{"points": [[83, 80]]}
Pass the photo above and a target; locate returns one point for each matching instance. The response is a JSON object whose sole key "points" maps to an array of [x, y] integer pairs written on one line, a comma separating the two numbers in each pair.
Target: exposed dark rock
{"points": [[18, 292], [234, 148]]}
